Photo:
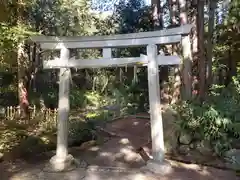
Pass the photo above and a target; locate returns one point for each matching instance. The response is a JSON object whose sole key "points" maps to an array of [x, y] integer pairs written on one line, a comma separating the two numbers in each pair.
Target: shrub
{"points": [[216, 120]]}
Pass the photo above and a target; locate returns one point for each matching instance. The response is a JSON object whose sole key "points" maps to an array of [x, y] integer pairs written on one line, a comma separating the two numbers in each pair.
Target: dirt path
{"points": [[115, 159], [138, 131]]}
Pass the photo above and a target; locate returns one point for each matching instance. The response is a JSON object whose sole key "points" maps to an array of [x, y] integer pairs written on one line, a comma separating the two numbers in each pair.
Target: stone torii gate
{"points": [[62, 160]]}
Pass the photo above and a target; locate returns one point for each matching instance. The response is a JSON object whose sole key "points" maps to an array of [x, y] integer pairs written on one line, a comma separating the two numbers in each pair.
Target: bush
{"points": [[216, 120], [80, 132]]}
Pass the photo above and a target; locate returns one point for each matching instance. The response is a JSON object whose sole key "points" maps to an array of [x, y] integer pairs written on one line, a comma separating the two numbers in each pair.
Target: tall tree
{"points": [[173, 9], [157, 14], [22, 63], [192, 19], [187, 55], [158, 23], [173, 6], [201, 50], [211, 16]]}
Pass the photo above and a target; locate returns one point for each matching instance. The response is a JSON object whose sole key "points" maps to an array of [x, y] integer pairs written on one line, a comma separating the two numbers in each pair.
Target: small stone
{"points": [[184, 149], [204, 147], [233, 159], [185, 139], [192, 145]]}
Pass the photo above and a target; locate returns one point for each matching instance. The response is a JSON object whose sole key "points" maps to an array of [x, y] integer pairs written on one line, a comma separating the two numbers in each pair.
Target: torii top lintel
{"points": [[166, 36]]}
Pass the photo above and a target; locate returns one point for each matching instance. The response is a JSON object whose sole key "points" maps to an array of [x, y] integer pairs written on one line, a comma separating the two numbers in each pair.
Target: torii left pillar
{"points": [[157, 164], [62, 160]]}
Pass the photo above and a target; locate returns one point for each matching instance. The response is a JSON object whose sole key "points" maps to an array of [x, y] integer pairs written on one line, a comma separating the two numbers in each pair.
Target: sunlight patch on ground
{"points": [[124, 141], [106, 154], [95, 148], [135, 123], [200, 169], [129, 155]]}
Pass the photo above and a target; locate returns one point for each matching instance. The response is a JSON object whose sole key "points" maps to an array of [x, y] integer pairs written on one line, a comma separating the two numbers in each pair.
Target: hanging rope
{"points": [[120, 74], [135, 76]]}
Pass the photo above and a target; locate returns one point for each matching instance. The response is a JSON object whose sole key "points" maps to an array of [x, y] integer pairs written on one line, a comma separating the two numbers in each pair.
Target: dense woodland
{"points": [[207, 100]]}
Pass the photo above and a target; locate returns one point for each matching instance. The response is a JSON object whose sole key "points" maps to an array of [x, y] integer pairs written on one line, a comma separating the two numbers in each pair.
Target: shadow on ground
{"points": [[115, 159]]}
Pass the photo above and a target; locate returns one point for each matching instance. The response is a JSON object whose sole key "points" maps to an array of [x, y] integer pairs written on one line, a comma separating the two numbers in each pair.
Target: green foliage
{"points": [[227, 37], [132, 16], [216, 120], [77, 99], [80, 132], [10, 37], [41, 135], [9, 138], [60, 18], [83, 99]]}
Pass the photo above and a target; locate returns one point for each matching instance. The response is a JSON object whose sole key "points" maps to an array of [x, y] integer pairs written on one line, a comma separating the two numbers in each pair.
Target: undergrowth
{"points": [[217, 120]]}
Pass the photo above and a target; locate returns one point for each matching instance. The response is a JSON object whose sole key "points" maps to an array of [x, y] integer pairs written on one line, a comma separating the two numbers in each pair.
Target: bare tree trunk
{"points": [[173, 11], [201, 49], [177, 84], [231, 69], [3, 11], [158, 24], [22, 82], [183, 12], [192, 19], [187, 54], [211, 14], [22, 65], [157, 14]]}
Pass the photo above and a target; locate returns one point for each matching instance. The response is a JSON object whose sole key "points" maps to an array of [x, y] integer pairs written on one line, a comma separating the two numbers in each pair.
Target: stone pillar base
{"points": [[57, 164], [157, 167]]}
